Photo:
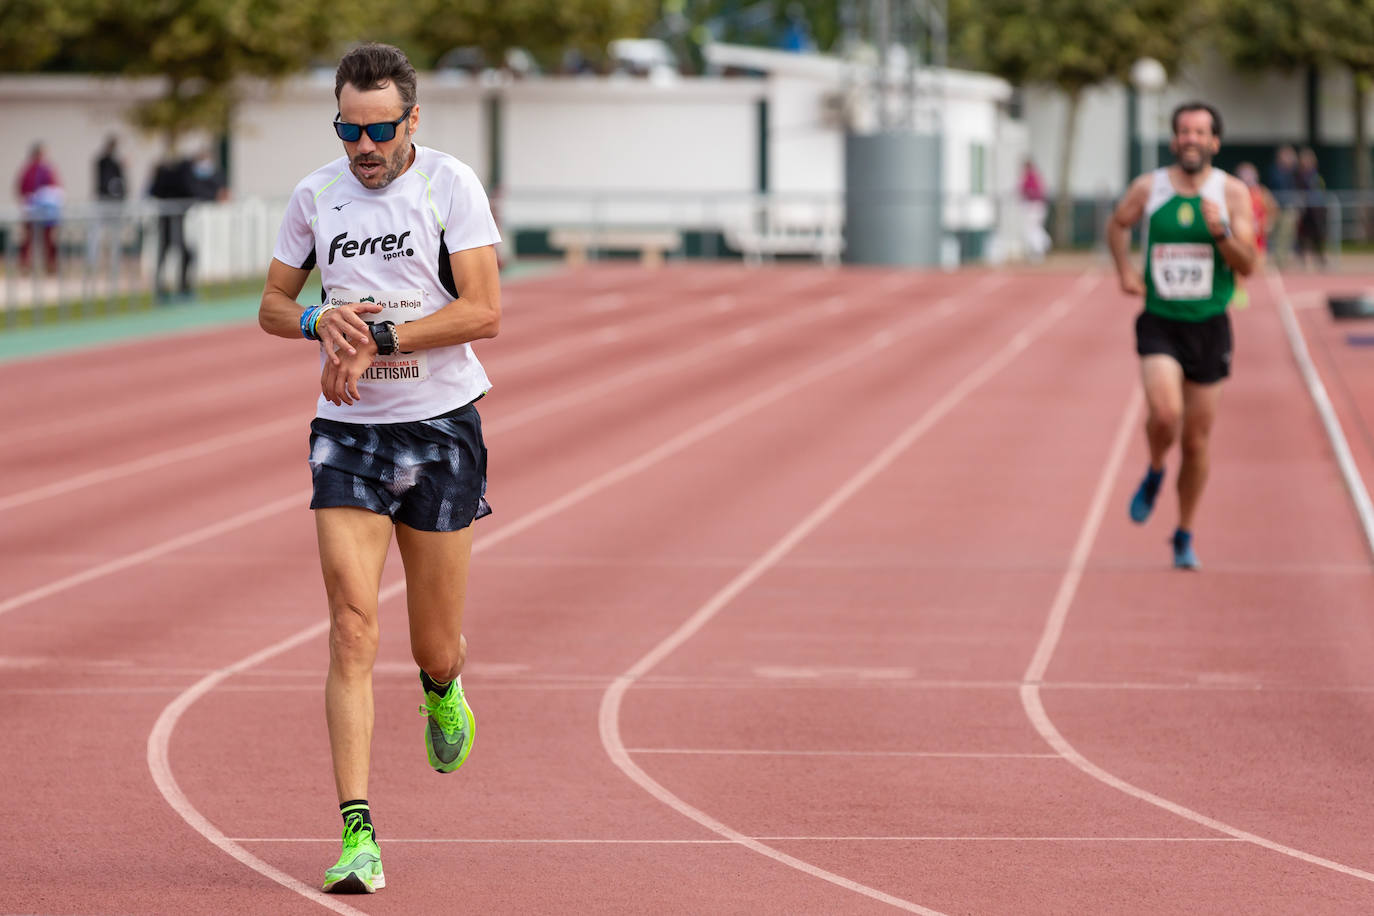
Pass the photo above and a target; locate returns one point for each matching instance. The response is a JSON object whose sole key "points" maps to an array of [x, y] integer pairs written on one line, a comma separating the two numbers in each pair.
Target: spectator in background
{"points": [[206, 180], [1034, 210], [173, 189], [177, 185], [109, 172], [1312, 212], [1283, 182], [40, 193], [110, 192], [1262, 205]]}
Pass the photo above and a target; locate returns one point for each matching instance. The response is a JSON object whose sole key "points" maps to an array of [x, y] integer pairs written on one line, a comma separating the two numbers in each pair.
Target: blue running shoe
{"points": [[1143, 502], [1184, 557]]}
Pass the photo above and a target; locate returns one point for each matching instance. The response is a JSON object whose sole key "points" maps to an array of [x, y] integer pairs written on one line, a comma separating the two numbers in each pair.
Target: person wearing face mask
{"points": [[1199, 237]]}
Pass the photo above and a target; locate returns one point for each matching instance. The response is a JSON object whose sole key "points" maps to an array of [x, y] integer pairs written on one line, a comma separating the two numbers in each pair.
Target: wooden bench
{"points": [[651, 243], [787, 229]]}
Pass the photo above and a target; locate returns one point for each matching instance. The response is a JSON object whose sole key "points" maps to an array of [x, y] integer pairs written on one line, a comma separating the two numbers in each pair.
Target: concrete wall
{"points": [[283, 132], [685, 151]]}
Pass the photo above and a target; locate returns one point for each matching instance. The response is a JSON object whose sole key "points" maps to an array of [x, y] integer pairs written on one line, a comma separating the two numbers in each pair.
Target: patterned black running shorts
{"points": [[430, 475]]}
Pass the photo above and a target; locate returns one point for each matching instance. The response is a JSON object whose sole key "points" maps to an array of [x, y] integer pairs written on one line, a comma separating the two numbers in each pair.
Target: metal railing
{"points": [[113, 256], [107, 256]]}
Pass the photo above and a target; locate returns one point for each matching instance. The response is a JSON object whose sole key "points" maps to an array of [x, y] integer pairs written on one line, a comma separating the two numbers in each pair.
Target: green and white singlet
{"points": [[1186, 277]]}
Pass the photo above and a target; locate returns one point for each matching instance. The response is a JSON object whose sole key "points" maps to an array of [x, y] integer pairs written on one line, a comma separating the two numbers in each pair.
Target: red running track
{"points": [[807, 591]]}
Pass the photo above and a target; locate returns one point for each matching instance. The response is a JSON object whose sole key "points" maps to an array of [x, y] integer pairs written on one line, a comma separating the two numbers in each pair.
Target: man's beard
{"points": [[1192, 168], [391, 168]]}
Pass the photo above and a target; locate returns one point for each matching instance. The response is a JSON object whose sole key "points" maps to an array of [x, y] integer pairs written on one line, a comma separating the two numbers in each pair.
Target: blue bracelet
{"points": [[307, 323]]}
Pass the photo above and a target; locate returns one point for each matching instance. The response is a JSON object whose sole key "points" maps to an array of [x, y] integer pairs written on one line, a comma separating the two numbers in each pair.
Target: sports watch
{"points": [[384, 336]]}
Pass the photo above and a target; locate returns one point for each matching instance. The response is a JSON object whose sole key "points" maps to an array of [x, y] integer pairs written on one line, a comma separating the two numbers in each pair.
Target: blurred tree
{"points": [[1297, 34], [200, 47], [1072, 45], [32, 32], [546, 29]]}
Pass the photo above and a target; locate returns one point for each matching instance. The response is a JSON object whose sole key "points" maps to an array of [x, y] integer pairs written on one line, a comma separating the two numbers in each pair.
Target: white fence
{"points": [[112, 253]]}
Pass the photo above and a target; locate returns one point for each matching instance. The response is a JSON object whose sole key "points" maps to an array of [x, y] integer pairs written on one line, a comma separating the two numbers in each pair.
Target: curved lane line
{"points": [[740, 338], [159, 739], [1049, 641], [611, 700]]}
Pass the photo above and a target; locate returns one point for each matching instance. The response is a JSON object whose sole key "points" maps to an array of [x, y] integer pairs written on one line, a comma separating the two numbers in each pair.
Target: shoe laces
{"points": [[444, 709], [354, 829]]}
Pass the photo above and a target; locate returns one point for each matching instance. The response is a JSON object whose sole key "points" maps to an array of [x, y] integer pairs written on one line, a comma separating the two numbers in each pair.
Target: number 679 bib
{"points": [[398, 307], [1181, 271]]}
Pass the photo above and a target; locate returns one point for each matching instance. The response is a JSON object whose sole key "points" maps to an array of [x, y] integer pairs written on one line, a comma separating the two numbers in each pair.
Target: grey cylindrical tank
{"points": [[892, 198]]}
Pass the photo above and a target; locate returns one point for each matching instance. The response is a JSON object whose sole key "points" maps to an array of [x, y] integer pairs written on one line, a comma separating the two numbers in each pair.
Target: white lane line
{"points": [[567, 841], [159, 739], [600, 387], [171, 545], [151, 462], [1049, 641], [939, 310], [511, 421], [611, 701], [1082, 548], [1350, 471], [652, 321], [158, 403], [159, 765]]}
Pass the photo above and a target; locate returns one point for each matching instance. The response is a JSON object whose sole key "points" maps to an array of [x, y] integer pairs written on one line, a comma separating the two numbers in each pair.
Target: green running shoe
{"points": [[359, 869], [451, 726]]}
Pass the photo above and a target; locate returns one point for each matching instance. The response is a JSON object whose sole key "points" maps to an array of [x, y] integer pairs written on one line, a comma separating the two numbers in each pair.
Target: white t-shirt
{"points": [[393, 245]]}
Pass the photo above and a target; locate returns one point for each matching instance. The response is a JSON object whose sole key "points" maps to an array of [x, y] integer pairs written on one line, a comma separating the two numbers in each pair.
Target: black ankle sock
{"points": [[359, 807], [432, 685]]}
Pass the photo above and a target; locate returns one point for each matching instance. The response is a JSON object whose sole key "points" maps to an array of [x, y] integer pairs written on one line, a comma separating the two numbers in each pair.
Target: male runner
{"points": [[403, 239], [1199, 236]]}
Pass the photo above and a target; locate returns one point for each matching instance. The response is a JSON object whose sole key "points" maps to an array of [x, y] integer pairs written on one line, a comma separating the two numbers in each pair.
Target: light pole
{"points": [[1149, 78]]}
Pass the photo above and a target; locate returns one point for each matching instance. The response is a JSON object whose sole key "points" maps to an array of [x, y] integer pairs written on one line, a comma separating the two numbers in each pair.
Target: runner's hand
{"points": [[1211, 215], [1132, 284], [339, 380], [341, 330]]}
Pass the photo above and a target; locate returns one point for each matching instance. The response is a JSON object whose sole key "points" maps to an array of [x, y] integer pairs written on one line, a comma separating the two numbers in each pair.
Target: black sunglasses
{"points": [[380, 132]]}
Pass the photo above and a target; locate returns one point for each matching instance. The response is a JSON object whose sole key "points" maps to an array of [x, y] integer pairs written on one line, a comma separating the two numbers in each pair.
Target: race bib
{"points": [[398, 307], [1182, 271]]}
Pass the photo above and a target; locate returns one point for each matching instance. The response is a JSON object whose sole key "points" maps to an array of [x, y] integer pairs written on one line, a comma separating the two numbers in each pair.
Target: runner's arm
{"points": [[1238, 245], [1127, 213], [474, 315], [280, 313]]}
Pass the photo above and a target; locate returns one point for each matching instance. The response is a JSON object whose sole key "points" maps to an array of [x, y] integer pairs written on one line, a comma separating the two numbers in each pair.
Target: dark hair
{"points": [[1197, 106], [373, 66]]}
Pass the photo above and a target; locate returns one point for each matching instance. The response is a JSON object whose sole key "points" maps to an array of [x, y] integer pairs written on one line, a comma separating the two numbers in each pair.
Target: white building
{"points": [[698, 155]]}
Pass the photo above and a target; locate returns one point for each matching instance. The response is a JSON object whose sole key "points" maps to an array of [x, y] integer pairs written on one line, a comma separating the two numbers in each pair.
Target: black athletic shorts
{"points": [[430, 475], [1202, 348]]}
